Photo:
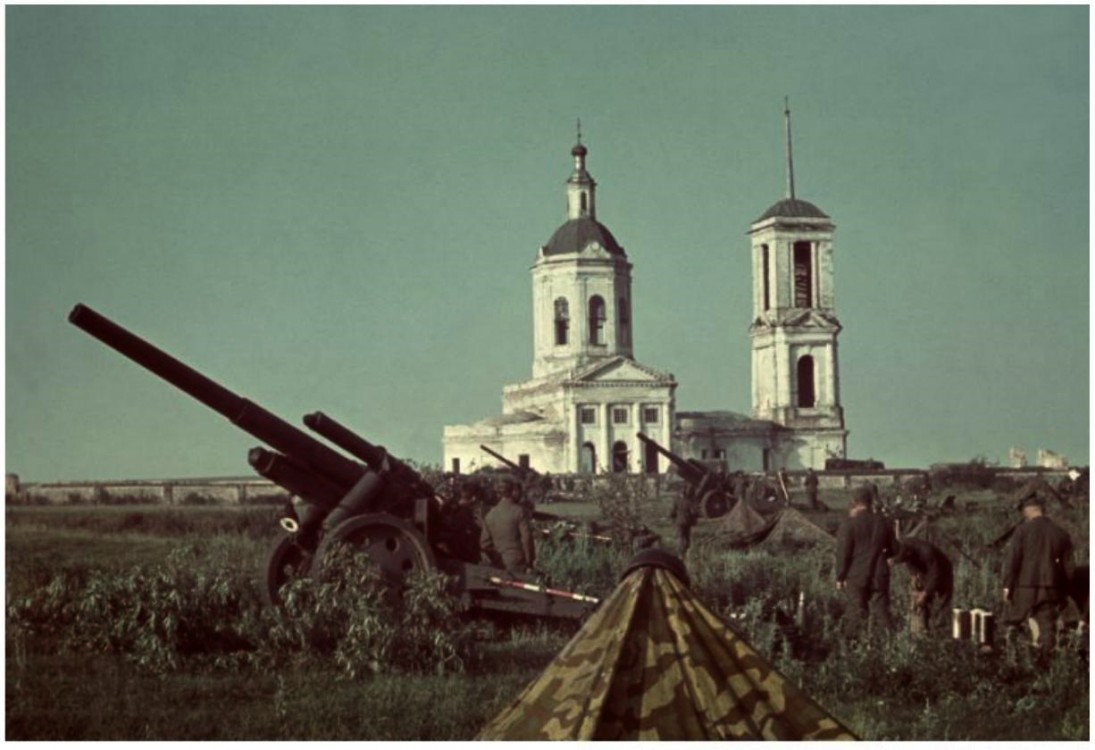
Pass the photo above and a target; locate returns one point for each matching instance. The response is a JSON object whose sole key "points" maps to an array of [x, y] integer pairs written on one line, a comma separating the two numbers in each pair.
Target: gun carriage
{"points": [[715, 497], [377, 504]]}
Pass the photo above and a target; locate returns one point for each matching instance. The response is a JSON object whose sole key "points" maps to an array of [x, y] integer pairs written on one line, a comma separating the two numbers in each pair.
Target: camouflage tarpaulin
{"points": [[794, 528], [654, 664], [742, 520]]}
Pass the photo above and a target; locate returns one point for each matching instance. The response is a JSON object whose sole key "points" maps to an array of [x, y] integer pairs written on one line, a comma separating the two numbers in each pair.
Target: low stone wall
{"points": [[180, 492], [242, 491]]}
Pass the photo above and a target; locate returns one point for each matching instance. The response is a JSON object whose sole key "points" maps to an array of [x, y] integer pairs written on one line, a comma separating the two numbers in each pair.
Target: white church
{"points": [[588, 396]]}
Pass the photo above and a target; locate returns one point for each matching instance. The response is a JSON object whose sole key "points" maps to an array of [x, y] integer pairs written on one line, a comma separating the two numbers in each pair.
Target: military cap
{"points": [[862, 496], [1032, 499]]}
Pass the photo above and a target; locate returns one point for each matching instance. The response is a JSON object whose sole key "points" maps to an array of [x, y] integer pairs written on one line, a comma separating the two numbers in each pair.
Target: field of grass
{"points": [[148, 623]]}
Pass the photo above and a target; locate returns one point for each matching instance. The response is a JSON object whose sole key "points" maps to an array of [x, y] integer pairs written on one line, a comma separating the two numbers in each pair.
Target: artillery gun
{"points": [[537, 488], [710, 488], [377, 504]]}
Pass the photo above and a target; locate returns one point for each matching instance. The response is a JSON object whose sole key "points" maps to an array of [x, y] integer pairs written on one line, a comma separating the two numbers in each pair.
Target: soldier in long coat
{"points": [[865, 542], [811, 482], [1037, 570]]}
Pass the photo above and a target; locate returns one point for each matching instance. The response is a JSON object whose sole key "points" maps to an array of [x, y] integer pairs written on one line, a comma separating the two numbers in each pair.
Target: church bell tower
{"points": [[796, 377], [581, 285]]}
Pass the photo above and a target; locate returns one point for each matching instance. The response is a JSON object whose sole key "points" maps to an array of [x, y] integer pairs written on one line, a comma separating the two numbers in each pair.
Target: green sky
{"points": [[337, 208]]}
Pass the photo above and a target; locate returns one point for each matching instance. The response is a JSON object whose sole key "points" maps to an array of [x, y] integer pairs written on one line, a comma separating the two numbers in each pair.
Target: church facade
{"points": [[588, 397]]}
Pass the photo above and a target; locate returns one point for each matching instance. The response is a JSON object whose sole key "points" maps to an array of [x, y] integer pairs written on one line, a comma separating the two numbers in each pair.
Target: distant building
{"points": [[588, 397], [1017, 458], [1051, 460], [797, 419]]}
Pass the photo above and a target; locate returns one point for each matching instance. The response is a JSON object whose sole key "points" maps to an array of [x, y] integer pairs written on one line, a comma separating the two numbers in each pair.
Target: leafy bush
{"points": [[207, 611]]}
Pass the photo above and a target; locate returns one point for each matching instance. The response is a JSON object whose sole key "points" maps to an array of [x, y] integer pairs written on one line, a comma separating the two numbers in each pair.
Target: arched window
{"points": [[562, 321], [619, 457], [588, 459], [597, 319], [623, 312], [585, 206], [807, 398], [764, 274], [804, 275]]}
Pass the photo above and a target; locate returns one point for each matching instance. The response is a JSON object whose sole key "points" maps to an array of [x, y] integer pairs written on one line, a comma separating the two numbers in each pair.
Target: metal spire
{"points": [[579, 131], [790, 161]]}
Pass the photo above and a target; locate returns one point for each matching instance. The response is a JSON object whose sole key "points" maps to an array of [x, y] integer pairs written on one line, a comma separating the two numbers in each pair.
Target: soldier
{"points": [[741, 485], [507, 531], [810, 482], [1037, 569], [864, 544], [685, 512], [931, 585], [463, 518]]}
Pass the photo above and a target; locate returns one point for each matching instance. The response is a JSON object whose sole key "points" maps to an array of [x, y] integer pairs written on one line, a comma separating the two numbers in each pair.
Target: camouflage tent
{"points": [[654, 663], [792, 527], [742, 519]]}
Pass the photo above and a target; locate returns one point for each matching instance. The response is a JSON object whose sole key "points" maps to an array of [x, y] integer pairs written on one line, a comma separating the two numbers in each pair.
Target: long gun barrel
{"points": [[511, 464], [298, 445], [687, 469], [378, 459]]}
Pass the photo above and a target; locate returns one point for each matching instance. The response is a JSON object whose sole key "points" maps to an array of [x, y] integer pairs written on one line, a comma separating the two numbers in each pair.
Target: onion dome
{"points": [[577, 234]]}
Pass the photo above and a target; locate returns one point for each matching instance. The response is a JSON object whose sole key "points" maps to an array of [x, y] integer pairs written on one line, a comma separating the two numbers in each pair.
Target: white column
{"points": [[605, 450], [572, 449]]}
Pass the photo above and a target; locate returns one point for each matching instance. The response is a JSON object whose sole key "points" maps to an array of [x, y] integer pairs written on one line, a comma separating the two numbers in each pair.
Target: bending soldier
{"points": [[931, 585], [507, 531]]}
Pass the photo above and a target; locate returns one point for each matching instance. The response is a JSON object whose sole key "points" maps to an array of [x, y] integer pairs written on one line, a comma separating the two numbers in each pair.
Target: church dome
{"points": [[577, 234], [793, 208]]}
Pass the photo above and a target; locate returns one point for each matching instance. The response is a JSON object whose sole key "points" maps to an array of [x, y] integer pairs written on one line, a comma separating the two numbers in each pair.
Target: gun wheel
{"points": [[715, 504], [288, 561], [394, 546]]}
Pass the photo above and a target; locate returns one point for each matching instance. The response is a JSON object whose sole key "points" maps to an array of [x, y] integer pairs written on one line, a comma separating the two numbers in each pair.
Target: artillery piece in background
{"points": [[712, 489], [536, 487], [381, 507]]}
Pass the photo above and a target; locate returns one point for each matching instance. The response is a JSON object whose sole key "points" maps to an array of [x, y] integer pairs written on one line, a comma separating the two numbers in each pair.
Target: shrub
{"points": [[198, 607]]}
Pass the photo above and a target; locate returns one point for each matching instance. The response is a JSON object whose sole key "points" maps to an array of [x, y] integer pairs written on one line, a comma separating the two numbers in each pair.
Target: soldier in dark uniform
{"points": [[1037, 569], [740, 485], [931, 585], [810, 482], [462, 520], [684, 513], [507, 531], [864, 544]]}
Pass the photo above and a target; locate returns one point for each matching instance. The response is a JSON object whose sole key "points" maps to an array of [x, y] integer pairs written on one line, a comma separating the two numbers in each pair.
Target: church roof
{"points": [[723, 421], [577, 234], [618, 369], [517, 417], [793, 208]]}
